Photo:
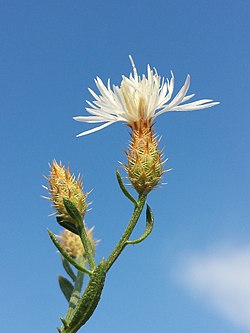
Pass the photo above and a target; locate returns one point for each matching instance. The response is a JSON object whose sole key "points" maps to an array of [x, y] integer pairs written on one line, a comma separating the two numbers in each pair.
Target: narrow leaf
{"points": [[149, 227], [65, 325], [123, 188], [68, 269], [89, 300], [67, 225], [66, 255], [66, 287]]}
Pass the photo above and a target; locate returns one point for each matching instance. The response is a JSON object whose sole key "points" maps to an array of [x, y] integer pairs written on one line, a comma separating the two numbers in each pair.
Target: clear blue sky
{"points": [[50, 53]]}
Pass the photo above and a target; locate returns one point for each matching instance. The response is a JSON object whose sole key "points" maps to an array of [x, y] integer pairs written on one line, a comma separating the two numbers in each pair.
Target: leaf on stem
{"points": [[66, 255], [68, 269], [89, 299], [123, 188], [149, 227], [64, 322], [67, 225], [66, 287]]}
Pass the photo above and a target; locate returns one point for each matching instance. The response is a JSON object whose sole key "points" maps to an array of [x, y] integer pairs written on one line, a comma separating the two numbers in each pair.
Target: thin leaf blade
{"points": [[123, 188], [66, 287], [68, 269], [148, 229]]}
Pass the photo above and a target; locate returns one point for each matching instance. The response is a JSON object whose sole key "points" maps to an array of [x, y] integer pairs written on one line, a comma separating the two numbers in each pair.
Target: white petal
{"points": [[181, 94], [186, 98], [89, 119], [93, 93], [133, 67], [188, 107], [171, 84], [95, 129]]}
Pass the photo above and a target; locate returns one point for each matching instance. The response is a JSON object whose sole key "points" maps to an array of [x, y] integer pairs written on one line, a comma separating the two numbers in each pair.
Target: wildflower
{"points": [[64, 186], [138, 100], [72, 243]]}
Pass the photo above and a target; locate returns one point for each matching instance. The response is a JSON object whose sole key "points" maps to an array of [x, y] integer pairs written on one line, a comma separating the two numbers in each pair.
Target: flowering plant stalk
{"points": [[138, 101]]}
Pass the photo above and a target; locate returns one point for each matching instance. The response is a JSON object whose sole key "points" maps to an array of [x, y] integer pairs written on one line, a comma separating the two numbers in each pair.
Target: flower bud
{"points": [[72, 244], [145, 166], [65, 187]]}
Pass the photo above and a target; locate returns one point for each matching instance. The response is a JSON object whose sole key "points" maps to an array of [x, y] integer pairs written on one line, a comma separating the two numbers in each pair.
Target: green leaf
{"points": [[149, 227], [123, 188], [68, 269], [73, 211], [66, 255], [67, 225], [66, 287], [89, 300], [64, 322]]}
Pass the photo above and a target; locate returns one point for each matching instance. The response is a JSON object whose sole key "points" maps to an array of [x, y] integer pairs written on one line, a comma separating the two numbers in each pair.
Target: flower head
{"points": [[145, 165], [72, 243], [64, 186], [138, 100]]}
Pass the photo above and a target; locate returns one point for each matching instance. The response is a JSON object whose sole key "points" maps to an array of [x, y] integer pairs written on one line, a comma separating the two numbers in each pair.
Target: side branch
{"points": [[122, 242]]}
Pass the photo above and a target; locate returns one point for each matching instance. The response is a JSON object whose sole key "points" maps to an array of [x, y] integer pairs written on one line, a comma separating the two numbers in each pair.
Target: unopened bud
{"points": [[145, 166], [64, 187], [72, 244]]}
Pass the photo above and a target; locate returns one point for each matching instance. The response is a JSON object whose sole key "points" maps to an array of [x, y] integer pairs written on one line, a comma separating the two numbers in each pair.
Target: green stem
{"points": [[79, 224], [76, 294], [87, 246], [148, 230], [123, 241]]}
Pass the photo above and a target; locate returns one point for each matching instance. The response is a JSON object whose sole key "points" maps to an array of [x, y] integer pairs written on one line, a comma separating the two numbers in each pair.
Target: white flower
{"points": [[138, 99]]}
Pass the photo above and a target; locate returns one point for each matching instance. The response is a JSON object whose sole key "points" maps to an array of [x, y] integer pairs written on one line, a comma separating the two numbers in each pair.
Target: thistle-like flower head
{"points": [[72, 243], [145, 165], [138, 100], [64, 186]]}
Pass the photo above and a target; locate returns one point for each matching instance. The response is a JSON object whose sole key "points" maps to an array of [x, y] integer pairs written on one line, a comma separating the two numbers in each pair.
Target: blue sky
{"points": [[194, 265]]}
